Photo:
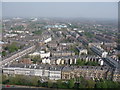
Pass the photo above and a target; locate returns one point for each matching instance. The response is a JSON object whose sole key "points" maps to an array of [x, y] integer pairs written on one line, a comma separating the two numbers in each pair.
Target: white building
{"points": [[52, 73], [48, 40], [82, 50], [58, 61], [38, 72], [19, 31], [104, 54], [55, 75], [11, 35], [101, 62], [34, 54], [45, 73], [44, 55], [46, 61]]}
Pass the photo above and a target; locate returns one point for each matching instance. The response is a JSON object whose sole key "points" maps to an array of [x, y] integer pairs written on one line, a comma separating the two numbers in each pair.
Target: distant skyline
{"points": [[107, 10]]}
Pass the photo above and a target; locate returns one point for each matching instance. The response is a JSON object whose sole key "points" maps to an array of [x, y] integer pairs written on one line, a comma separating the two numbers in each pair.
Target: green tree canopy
{"points": [[71, 83]]}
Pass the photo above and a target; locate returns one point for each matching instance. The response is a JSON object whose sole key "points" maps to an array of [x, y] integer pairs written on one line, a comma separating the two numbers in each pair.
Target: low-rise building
{"points": [[63, 53], [49, 72], [25, 61], [46, 61], [89, 72], [34, 54], [55, 73], [99, 51], [82, 50], [44, 54], [48, 40]]}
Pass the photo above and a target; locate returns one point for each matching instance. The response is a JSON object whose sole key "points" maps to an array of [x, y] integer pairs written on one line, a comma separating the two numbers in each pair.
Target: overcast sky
{"points": [[60, 9]]}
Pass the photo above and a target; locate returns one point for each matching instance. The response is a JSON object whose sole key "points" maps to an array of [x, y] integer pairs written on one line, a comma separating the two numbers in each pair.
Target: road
{"points": [[20, 87]]}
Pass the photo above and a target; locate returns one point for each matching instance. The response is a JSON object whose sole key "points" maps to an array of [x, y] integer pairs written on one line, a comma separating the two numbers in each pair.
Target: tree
{"points": [[90, 83], [12, 47], [5, 79], [81, 85], [88, 63], [44, 84], [104, 84], [64, 85], [24, 80], [76, 85], [55, 85], [39, 83], [36, 59], [101, 85], [50, 83], [80, 62], [59, 83], [15, 80], [118, 56], [71, 83], [37, 32], [116, 84], [83, 82], [34, 80], [4, 53]]}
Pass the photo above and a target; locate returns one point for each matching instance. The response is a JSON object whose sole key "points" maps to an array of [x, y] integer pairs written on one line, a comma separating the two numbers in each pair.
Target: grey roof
{"points": [[70, 68], [35, 66]]}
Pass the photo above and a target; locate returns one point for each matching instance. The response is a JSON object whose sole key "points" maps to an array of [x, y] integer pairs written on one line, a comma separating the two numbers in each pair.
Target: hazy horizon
{"points": [[108, 10]]}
